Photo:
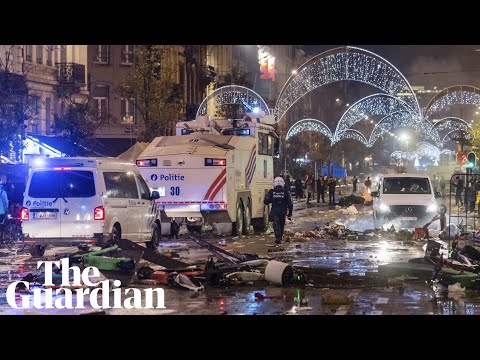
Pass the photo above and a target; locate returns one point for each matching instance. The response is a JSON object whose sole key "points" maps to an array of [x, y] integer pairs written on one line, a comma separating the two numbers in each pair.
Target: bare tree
{"points": [[15, 104], [81, 117], [236, 77], [153, 85]]}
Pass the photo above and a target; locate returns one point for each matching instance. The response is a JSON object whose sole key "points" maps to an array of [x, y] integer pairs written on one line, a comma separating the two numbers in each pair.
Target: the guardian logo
{"points": [[37, 296]]}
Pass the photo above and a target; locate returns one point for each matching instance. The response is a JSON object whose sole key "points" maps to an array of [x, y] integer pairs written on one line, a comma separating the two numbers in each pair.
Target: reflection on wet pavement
{"points": [[357, 258]]}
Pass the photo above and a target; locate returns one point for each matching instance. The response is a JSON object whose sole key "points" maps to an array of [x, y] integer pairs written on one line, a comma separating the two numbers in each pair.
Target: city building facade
{"points": [[108, 67], [46, 67]]}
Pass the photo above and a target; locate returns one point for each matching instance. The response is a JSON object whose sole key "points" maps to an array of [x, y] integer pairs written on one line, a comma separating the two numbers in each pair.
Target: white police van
{"points": [[75, 201], [407, 200]]}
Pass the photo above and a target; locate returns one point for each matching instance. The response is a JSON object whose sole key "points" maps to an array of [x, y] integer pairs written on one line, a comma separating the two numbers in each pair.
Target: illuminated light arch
{"points": [[447, 152], [449, 122], [372, 105], [309, 125], [403, 155], [453, 95], [352, 134], [427, 149], [397, 155], [399, 119], [388, 123], [447, 138], [345, 63], [452, 124], [233, 94]]}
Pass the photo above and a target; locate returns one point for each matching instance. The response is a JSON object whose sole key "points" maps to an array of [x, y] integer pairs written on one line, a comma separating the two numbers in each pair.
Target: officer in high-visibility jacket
{"points": [[282, 206]]}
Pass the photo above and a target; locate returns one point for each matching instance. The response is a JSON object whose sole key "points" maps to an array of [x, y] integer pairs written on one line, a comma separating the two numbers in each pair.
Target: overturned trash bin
{"points": [[280, 273]]}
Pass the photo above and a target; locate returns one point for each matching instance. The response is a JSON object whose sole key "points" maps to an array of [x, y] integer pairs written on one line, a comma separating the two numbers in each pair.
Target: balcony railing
{"points": [[71, 74], [207, 75]]}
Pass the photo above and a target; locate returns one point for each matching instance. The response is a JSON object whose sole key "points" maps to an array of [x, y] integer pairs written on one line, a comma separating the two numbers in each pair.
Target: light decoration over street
{"points": [[309, 125], [374, 105], [454, 95], [389, 123], [423, 150], [343, 64], [448, 126], [352, 134], [396, 111], [396, 104], [231, 95]]}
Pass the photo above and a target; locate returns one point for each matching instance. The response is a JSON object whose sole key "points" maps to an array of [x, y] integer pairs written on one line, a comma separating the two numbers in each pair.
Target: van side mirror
{"points": [[438, 194], [375, 193], [155, 195]]}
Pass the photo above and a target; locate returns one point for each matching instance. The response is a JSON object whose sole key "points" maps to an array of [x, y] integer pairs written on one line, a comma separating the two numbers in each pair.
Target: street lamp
{"points": [[294, 72], [405, 137]]}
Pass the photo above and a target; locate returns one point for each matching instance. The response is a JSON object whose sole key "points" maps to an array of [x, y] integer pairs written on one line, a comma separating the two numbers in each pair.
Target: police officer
{"points": [[281, 201]]}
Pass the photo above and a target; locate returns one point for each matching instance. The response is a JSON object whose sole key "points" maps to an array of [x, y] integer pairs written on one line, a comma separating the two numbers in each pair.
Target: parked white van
{"points": [[75, 201], [407, 199]]}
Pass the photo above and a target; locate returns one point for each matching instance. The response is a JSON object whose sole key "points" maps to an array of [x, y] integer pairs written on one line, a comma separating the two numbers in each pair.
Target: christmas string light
{"points": [[452, 125], [453, 95], [309, 125], [423, 149], [389, 122], [379, 105], [230, 95], [351, 134], [345, 63]]}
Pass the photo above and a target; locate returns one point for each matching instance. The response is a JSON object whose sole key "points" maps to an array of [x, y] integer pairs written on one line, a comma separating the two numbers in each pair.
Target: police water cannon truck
{"points": [[213, 172]]}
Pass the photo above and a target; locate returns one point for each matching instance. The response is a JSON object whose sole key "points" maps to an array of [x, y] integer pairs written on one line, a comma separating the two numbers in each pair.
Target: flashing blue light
{"points": [[39, 162], [256, 110]]}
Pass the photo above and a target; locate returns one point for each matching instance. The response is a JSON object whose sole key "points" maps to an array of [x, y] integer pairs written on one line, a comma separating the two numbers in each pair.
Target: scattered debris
{"points": [[245, 276], [334, 299], [457, 287], [351, 200], [261, 297], [280, 273]]}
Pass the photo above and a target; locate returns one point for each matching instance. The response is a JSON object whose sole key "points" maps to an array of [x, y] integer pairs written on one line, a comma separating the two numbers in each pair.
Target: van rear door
{"points": [[43, 204], [79, 200]]}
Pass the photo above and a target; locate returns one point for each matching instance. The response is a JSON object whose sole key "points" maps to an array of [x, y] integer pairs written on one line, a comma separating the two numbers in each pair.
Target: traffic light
{"points": [[472, 160]]}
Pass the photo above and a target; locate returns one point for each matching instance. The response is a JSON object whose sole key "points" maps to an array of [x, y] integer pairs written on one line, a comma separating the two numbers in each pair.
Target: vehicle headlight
{"points": [[384, 208], [432, 208]]}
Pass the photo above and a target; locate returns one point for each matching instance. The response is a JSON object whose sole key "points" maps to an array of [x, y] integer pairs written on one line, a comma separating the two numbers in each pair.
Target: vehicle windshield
{"points": [[406, 185], [62, 184]]}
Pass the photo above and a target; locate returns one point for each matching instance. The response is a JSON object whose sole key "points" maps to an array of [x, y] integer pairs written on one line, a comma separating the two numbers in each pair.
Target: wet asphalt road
{"points": [[338, 256]]}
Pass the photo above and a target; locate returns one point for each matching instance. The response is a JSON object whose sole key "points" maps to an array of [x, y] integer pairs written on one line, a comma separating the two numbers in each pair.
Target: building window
{"points": [[181, 73], [49, 56], [29, 53], [128, 111], [128, 52], [100, 98], [39, 54], [103, 54], [35, 104], [63, 53]]}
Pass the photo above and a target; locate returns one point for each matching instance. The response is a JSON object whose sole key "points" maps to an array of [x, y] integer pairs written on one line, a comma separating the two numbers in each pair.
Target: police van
{"points": [[213, 172], [75, 201]]}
